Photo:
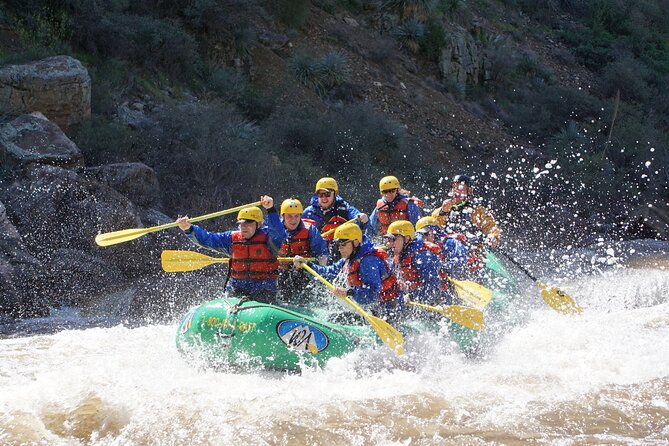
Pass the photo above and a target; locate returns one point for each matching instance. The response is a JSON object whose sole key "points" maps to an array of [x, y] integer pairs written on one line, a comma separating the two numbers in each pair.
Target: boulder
{"points": [[17, 267], [136, 181], [59, 87], [32, 138], [74, 277]]}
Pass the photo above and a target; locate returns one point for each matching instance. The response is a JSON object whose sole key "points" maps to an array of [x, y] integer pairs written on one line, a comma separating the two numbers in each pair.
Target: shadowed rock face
{"points": [[136, 181], [33, 138], [59, 87]]}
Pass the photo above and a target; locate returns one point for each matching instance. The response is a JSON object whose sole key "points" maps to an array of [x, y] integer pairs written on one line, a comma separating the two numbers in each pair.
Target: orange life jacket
{"points": [[410, 273], [295, 245], [387, 215], [252, 259], [389, 287]]}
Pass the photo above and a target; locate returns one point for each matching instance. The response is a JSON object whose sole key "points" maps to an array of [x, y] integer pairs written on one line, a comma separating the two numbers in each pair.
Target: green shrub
{"points": [[146, 42], [410, 34], [627, 76], [354, 6], [210, 156], [333, 69], [330, 71], [355, 141], [541, 110], [434, 40], [103, 141], [418, 9], [293, 12]]}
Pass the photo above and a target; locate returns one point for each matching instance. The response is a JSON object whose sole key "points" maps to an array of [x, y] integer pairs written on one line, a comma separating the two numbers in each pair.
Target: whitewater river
{"points": [[598, 378]]}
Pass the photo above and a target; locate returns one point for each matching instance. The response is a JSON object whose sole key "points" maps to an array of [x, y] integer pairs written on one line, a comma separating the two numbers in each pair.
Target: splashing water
{"points": [[602, 377]]}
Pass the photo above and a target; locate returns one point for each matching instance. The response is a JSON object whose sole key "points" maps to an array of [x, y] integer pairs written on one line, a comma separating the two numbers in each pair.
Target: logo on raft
{"points": [[188, 320], [302, 336]]}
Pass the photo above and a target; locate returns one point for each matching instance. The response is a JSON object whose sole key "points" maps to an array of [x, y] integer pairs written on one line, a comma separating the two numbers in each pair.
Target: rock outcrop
{"points": [[32, 138], [59, 87]]}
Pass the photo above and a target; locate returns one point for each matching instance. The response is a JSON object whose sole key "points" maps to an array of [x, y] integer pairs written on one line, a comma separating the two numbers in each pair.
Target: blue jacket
{"points": [[339, 207], [455, 257], [317, 244], [413, 212], [223, 241], [427, 264], [372, 272]]}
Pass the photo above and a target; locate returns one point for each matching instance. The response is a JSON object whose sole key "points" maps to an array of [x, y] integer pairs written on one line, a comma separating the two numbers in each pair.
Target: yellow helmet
{"points": [[291, 206], [401, 227], [389, 182], [327, 183], [252, 213], [348, 231], [425, 222]]}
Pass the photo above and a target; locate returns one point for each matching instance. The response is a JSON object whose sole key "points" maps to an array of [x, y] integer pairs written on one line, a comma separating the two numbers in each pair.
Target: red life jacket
{"points": [[387, 215], [389, 287], [443, 275], [296, 245], [410, 273], [252, 259], [332, 224], [475, 254]]}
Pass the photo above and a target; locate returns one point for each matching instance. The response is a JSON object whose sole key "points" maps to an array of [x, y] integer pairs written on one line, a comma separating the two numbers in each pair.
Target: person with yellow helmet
{"points": [[329, 210], [393, 205], [417, 263], [253, 250], [302, 238], [369, 276], [462, 213], [452, 253]]}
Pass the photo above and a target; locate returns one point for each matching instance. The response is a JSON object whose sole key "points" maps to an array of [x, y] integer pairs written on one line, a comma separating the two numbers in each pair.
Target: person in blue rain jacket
{"points": [[253, 250]]}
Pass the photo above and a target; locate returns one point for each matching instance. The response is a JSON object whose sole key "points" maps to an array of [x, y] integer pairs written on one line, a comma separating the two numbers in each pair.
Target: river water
{"points": [[598, 378]]}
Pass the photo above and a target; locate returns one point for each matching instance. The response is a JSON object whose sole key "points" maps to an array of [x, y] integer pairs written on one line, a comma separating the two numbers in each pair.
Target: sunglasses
{"points": [[389, 191], [339, 243], [324, 194]]}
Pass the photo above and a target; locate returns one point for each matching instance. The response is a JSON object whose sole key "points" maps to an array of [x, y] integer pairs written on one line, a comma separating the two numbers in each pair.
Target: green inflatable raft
{"points": [[248, 334]]}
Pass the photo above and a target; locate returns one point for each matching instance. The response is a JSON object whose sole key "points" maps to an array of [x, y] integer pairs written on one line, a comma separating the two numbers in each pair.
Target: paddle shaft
{"points": [[334, 229], [515, 262], [322, 279], [125, 235], [386, 332]]}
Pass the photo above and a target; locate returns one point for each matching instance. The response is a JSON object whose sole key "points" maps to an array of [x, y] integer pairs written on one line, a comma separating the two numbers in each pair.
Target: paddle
{"points": [[553, 296], [470, 292], [182, 261], [465, 316], [388, 334], [474, 294], [125, 235], [334, 229]]}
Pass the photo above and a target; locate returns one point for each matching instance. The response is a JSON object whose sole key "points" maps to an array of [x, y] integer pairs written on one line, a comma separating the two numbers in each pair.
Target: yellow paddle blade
{"points": [[182, 261], [125, 235], [386, 332], [465, 316], [474, 294], [559, 300]]}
